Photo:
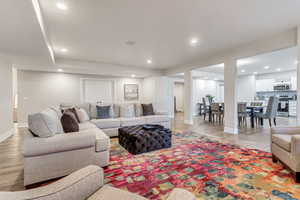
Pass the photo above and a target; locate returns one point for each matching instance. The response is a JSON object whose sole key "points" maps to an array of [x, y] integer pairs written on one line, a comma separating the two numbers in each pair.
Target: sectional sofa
{"points": [[50, 153]]}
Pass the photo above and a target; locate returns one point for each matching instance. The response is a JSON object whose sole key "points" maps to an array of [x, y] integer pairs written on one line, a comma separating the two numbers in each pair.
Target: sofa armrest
{"points": [[286, 130], [295, 146], [77, 186], [36, 146], [161, 113], [179, 194]]}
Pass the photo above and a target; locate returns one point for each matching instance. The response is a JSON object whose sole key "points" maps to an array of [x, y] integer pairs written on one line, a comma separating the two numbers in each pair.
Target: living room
{"points": [[149, 100]]}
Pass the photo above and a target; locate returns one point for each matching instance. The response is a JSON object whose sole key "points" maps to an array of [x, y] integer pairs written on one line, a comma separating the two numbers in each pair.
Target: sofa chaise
{"points": [[85, 184]]}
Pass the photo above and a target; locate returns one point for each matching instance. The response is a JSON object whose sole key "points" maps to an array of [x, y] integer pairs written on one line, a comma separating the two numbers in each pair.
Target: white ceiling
{"points": [[285, 60], [97, 30], [20, 33]]}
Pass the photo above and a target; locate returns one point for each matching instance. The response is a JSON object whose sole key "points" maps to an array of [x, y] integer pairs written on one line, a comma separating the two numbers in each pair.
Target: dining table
{"points": [[252, 110]]}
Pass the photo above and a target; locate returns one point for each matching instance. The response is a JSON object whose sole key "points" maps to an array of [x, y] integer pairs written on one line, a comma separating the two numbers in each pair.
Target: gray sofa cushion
{"points": [[102, 140], [86, 125], [152, 119], [45, 123], [107, 123], [132, 121], [127, 110]]}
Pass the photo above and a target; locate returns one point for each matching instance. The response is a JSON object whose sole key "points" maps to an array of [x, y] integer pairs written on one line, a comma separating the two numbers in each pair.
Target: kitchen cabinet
{"points": [[292, 108], [264, 85]]}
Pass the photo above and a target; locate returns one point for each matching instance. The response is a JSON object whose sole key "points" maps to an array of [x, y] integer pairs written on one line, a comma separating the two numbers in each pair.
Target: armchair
{"points": [[84, 184], [285, 147]]}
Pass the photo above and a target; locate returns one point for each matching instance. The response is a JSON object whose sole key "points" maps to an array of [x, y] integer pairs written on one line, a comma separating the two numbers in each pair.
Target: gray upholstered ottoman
{"points": [[145, 138]]}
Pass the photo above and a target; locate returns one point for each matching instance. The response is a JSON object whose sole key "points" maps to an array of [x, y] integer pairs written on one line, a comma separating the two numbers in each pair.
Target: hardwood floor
{"points": [[11, 161]]}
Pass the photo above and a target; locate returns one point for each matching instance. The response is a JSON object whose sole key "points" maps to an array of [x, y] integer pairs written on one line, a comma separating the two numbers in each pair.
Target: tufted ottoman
{"points": [[144, 138]]}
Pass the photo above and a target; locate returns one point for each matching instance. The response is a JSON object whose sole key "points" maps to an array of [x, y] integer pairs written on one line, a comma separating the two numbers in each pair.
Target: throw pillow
{"points": [[147, 109], [44, 124], [103, 112], [73, 110], [127, 110], [138, 110], [82, 115], [69, 122]]}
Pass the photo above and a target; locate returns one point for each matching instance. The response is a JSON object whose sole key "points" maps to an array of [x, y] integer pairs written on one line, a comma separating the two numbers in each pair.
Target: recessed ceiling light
{"points": [[132, 75], [64, 50], [61, 6], [278, 69], [149, 61], [130, 42], [194, 41], [243, 71], [266, 67], [254, 72], [60, 70]]}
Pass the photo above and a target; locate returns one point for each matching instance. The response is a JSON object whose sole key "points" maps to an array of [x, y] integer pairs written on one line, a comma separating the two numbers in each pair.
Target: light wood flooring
{"points": [[11, 161]]}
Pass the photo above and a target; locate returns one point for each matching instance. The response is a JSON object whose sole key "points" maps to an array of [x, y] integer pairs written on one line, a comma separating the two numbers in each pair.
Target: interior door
{"points": [[98, 91]]}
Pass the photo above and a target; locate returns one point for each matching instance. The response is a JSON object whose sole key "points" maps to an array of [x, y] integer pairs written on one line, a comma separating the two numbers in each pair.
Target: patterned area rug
{"points": [[207, 168]]}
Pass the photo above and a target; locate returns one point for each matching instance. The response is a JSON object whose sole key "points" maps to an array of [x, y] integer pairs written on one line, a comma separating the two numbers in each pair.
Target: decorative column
{"points": [[230, 96], [298, 75], [188, 97]]}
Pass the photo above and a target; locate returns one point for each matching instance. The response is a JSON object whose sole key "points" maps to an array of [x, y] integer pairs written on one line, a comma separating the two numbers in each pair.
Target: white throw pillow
{"points": [[82, 115], [127, 110]]}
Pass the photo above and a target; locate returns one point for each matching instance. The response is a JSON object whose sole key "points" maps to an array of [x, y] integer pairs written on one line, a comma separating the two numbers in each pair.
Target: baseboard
{"points": [[188, 122], [6, 135], [22, 125], [231, 130]]}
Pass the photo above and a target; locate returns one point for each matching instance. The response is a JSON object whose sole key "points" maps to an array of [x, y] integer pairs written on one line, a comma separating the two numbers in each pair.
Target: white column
{"points": [[188, 97], [298, 76], [230, 96]]}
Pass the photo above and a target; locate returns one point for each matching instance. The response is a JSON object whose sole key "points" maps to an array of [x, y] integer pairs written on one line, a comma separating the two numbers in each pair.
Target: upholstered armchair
{"points": [[85, 184], [285, 147]]}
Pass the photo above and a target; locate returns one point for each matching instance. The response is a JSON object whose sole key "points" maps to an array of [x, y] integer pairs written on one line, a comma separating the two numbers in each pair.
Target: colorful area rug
{"points": [[207, 168]]}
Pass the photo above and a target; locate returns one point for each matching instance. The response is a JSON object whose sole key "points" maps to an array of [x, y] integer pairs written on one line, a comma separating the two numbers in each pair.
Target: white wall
{"points": [[205, 87], [6, 99], [159, 91], [246, 88], [39, 90], [178, 93]]}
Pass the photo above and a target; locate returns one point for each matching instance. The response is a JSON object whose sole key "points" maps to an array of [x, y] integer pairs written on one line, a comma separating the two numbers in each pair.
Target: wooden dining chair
{"points": [[217, 113], [205, 108], [271, 111], [242, 114]]}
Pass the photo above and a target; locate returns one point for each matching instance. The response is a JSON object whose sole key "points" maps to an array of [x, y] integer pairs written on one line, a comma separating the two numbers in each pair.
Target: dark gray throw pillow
{"points": [[103, 112], [147, 109], [69, 122]]}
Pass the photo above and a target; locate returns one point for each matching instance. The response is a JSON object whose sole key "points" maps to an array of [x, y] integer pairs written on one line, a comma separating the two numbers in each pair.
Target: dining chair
{"points": [[217, 112], [242, 114], [271, 111], [205, 108]]}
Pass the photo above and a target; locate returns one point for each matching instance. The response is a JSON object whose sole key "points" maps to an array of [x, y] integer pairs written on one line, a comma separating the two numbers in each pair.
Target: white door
{"points": [[100, 91]]}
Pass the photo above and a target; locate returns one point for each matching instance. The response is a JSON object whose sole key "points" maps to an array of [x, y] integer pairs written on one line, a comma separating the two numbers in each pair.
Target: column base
{"points": [[231, 130], [189, 122]]}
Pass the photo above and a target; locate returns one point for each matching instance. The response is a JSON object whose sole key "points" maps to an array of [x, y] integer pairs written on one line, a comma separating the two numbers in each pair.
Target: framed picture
{"points": [[131, 92]]}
